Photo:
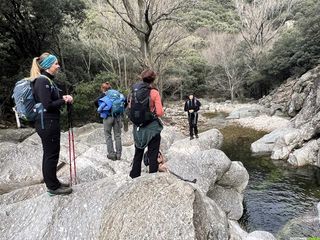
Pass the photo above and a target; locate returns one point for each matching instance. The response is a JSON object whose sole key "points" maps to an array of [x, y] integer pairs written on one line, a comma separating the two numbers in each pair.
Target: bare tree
{"points": [[148, 19], [260, 22], [149, 30], [106, 48], [222, 53]]}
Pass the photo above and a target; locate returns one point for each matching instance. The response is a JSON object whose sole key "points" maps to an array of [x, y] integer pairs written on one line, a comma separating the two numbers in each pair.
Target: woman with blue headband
{"points": [[47, 124]]}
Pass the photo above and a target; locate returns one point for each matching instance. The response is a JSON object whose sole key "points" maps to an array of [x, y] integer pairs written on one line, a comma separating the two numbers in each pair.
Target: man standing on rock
{"points": [[192, 106]]}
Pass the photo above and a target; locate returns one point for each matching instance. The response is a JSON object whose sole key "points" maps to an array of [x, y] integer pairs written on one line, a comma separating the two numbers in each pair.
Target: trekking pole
{"points": [[72, 157], [17, 117], [181, 178], [69, 146]]}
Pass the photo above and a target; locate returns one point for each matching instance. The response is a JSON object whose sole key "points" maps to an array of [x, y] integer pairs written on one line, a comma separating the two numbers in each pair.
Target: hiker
{"points": [[145, 109], [111, 121], [192, 106], [47, 124]]}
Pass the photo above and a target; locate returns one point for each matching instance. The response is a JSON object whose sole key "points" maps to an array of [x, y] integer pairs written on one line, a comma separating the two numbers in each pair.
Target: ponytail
{"points": [[35, 69]]}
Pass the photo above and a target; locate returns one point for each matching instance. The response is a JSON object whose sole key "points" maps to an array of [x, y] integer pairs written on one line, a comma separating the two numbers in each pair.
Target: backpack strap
{"points": [[52, 83], [50, 80], [39, 107]]}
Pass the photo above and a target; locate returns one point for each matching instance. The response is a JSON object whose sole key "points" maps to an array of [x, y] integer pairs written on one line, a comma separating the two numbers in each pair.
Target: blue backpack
{"points": [[26, 107], [24, 100], [117, 100]]}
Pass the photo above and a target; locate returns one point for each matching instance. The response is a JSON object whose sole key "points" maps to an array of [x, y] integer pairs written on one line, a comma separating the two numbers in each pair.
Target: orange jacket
{"points": [[155, 103]]}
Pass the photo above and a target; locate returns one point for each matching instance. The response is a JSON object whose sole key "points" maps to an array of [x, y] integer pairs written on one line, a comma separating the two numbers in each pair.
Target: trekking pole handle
{"points": [[69, 112]]}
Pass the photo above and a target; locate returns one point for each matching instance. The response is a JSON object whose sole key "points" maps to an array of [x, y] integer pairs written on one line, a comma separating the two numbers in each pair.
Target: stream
{"points": [[277, 192]]}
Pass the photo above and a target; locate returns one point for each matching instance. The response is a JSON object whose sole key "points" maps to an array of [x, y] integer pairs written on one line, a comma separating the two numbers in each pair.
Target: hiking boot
{"points": [[65, 185], [197, 136], [113, 157], [191, 137], [118, 157], [60, 191]]}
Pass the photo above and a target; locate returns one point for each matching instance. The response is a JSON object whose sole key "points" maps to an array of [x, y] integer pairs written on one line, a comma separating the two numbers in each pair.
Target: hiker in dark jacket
{"points": [[192, 106], [149, 135], [47, 94]]}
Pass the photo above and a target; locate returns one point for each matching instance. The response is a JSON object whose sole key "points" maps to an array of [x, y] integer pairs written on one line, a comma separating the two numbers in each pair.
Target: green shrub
{"points": [[84, 95]]}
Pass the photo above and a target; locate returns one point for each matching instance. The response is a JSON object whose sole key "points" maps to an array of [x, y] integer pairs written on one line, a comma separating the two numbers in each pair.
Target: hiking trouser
{"points": [[50, 138], [115, 124], [193, 121], [153, 150]]}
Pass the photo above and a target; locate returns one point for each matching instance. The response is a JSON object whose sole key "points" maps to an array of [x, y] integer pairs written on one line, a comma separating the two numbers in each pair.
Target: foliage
{"points": [[84, 95], [191, 70], [215, 15], [295, 52], [91, 49], [28, 28]]}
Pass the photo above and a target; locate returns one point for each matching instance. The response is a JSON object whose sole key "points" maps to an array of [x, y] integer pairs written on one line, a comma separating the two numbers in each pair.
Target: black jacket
{"points": [[193, 104], [48, 94]]}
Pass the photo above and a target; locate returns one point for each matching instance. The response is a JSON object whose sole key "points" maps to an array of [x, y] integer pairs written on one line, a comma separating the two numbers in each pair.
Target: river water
{"points": [[276, 192]]}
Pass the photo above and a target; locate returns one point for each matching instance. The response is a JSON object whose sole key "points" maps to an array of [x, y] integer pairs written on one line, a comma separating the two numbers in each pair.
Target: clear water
{"points": [[276, 192]]}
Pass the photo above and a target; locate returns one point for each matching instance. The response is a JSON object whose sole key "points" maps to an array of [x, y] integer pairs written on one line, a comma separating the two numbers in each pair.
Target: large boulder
{"points": [[218, 177], [266, 144], [76, 216], [300, 98], [236, 177], [15, 135], [306, 155], [20, 163], [92, 134], [307, 225], [253, 110], [260, 235], [107, 204], [161, 207], [207, 140], [207, 167], [156, 206]]}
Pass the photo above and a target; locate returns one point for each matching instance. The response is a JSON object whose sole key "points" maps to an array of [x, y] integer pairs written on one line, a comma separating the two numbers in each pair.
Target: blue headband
{"points": [[48, 61]]}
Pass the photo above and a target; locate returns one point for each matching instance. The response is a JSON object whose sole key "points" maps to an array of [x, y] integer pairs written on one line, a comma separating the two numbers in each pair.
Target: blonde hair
{"points": [[35, 70]]}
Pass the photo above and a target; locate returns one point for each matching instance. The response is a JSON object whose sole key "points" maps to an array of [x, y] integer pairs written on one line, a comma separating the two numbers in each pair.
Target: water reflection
{"points": [[276, 192]]}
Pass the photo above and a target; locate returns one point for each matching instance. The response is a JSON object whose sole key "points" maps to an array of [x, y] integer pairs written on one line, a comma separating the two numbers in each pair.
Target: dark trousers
{"points": [[50, 138], [153, 150], [193, 121]]}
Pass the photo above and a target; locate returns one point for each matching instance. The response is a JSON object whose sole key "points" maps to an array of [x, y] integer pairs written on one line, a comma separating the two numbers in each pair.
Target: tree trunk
{"points": [[119, 68], [125, 71], [62, 61]]}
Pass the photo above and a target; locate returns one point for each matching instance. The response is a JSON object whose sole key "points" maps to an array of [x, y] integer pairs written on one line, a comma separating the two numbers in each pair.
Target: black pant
{"points": [[153, 150], [193, 121], [50, 138]]}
